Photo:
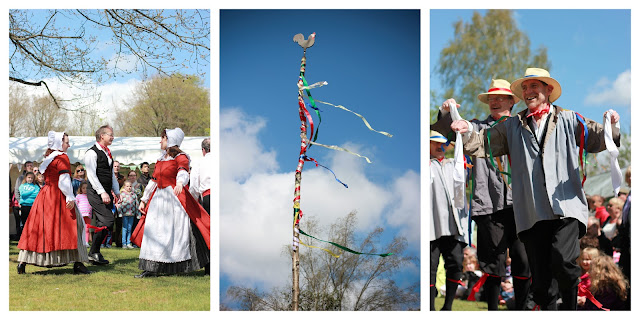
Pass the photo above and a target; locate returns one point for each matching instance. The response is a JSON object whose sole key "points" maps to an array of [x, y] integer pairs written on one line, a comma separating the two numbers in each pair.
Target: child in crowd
{"points": [[608, 285], [596, 206], [85, 210], [506, 293], [584, 261], [127, 209], [28, 192]]}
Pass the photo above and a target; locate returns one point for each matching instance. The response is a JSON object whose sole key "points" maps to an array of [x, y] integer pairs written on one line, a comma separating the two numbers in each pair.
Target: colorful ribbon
{"points": [[340, 149], [583, 142], [317, 164], [361, 117], [345, 248]]}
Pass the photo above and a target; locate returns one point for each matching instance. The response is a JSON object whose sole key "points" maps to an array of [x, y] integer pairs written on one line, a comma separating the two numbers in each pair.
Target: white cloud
{"points": [[256, 202], [616, 93]]}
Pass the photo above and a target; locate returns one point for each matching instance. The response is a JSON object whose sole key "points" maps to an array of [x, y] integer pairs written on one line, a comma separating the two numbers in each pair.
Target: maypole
{"points": [[305, 144], [297, 213]]}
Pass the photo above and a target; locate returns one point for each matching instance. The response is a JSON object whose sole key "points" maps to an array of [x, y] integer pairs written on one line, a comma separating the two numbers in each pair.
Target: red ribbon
{"points": [[540, 112], [106, 148], [96, 228], [502, 89], [478, 285], [583, 291]]}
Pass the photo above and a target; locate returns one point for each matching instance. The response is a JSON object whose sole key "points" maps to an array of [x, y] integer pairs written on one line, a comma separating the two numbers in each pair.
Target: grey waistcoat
{"points": [[491, 193]]}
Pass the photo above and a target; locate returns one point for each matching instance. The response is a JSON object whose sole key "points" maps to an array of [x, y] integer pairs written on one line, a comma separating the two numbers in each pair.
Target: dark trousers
{"points": [[117, 232], [205, 204], [16, 217], [496, 234], [552, 248], [102, 216], [452, 254], [24, 214]]}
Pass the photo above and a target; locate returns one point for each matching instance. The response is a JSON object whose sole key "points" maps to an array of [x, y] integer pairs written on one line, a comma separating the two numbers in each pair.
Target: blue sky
{"points": [[116, 91], [371, 61], [589, 51]]}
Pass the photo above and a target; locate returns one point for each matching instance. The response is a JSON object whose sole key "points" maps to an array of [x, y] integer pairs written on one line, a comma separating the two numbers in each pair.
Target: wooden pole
{"points": [[297, 213]]}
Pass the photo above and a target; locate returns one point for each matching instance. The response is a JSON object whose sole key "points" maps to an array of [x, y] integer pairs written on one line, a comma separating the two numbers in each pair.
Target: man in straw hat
{"points": [[491, 206], [548, 200], [448, 223]]}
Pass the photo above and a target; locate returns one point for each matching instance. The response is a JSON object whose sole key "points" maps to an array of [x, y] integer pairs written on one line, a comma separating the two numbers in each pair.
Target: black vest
{"points": [[104, 171]]}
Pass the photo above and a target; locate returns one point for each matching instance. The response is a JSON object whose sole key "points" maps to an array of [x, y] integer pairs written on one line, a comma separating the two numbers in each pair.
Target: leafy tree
{"points": [[350, 282], [166, 102], [43, 46], [488, 47]]}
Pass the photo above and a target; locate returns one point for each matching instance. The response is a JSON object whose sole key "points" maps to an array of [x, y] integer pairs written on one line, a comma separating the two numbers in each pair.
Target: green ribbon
{"points": [[345, 248], [313, 105]]}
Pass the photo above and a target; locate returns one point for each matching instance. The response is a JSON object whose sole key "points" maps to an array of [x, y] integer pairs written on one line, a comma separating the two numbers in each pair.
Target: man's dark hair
{"points": [[206, 145], [142, 164]]}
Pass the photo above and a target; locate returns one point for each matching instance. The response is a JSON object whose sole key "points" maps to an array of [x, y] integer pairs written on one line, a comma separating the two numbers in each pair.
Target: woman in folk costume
{"points": [[173, 234], [50, 236]]}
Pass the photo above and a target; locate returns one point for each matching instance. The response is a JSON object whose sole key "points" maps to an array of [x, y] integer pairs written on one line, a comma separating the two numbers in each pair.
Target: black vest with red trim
{"points": [[104, 170]]}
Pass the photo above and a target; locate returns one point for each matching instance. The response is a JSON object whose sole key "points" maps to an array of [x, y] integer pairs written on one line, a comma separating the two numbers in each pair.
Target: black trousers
{"points": [[452, 254], [496, 234], [16, 216], [552, 248], [102, 217], [205, 203]]}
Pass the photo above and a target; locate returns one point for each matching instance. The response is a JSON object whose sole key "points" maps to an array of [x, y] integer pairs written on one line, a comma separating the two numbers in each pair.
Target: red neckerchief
{"points": [[105, 148], [540, 112]]}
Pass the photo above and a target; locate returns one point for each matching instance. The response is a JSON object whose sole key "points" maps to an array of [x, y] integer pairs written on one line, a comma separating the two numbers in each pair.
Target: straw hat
{"points": [[437, 137], [498, 86], [539, 74]]}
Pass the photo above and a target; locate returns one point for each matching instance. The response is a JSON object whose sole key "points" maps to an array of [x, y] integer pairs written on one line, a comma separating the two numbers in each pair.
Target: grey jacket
{"points": [[445, 219], [490, 193], [546, 178]]}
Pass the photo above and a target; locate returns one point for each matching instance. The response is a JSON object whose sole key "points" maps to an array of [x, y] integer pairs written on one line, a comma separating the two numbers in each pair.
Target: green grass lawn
{"points": [[464, 305], [111, 287]]}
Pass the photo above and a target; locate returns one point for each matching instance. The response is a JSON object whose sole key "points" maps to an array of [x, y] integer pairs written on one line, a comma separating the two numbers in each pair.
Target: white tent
{"points": [[126, 150], [601, 184]]}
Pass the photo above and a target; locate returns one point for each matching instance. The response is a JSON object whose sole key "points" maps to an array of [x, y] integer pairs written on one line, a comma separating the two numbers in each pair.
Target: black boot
{"points": [[206, 269], [452, 287], [521, 292], [492, 292], [97, 259], [569, 299], [79, 268], [433, 293], [21, 267]]}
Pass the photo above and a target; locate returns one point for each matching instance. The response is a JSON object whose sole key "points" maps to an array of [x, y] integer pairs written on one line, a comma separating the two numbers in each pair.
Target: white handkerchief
{"points": [[458, 164], [616, 173]]}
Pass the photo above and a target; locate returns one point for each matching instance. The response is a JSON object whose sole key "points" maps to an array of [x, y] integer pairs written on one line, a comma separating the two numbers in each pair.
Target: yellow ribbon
{"points": [[361, 117], [327, 250], [340, 149]]}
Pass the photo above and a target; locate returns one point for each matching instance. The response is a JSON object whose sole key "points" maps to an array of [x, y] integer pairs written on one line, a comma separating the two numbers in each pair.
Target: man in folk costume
{"points": [[548, 199], [98, 163], [200, 183], [52, 235], [448, 224], [491, 206]]}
